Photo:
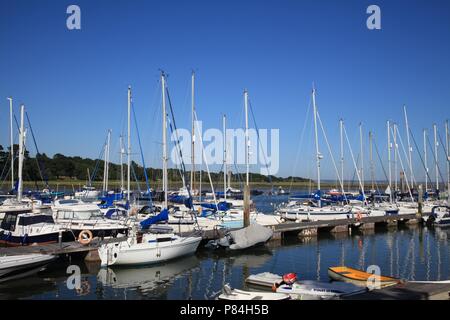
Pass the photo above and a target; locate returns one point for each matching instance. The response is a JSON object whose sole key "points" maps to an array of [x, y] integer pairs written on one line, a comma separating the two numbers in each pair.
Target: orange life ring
{"points": [[82, 238], [358, 216]]}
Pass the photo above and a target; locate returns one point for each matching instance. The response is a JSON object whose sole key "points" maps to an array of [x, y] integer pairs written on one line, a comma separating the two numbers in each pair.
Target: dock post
{"points": [[420, 202], [60, 238]]}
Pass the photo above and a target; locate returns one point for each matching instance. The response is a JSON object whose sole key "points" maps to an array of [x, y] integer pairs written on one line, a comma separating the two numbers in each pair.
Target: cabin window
{"points": [[9, 222], [26, 221]]}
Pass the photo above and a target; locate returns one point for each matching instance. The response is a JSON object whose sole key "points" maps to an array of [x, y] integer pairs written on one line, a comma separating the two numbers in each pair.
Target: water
{"points": [[412, 253]]}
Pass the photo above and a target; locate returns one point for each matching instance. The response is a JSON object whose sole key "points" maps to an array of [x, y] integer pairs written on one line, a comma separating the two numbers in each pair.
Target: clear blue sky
{"points": [[74, 82]]}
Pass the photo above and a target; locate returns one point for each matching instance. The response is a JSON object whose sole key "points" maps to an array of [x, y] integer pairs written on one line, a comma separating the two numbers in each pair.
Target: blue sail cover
{"points": [[108, 200], [181, 200], [162, 216], [222, 206]]}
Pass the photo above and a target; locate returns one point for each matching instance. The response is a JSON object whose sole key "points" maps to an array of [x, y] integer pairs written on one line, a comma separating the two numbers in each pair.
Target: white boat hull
{"points": [[147, 253]]}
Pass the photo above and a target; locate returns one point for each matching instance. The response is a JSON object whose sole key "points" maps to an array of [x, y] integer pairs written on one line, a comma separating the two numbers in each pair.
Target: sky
{"points": [[74, 82]]}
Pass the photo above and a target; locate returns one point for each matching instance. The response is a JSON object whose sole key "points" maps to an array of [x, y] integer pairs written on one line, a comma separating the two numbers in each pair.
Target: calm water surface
{"points": [[413, 253]]}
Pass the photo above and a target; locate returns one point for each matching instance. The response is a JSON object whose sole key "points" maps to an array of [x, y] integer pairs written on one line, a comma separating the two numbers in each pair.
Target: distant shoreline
{"points": [[70, 185]]}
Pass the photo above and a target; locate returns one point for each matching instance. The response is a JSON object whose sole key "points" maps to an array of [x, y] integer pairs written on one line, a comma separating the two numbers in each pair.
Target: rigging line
{"points": [[331, 155], [97, 161], [142, 154], [379, 158], [434, 157], [406, 157], [135, 178], [403, 168], [177, 144], [354, 163], [443, 147], [301, 143], [178, 157], [39, 163], [260, 144], [420, 156], [206, 163]]}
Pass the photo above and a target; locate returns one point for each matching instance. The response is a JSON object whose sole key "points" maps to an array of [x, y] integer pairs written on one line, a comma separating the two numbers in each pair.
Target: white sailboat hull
{"points": [[147, 252]]}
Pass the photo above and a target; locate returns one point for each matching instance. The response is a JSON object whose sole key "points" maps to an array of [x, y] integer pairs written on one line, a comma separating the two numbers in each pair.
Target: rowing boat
{"points": [[359, 277], [236, 294]]}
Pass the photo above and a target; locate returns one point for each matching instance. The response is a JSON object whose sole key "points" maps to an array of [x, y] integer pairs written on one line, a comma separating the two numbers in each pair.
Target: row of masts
{"points": [[392, 143]]}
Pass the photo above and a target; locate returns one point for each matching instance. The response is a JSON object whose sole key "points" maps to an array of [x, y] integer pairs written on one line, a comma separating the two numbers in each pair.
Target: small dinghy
{"points": [[359, 277], [15, 267], [304, 290], [236, 294], [244, 238]]}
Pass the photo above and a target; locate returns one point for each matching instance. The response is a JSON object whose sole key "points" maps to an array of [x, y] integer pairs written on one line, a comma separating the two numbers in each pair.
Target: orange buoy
{"points": [[85, 237]]}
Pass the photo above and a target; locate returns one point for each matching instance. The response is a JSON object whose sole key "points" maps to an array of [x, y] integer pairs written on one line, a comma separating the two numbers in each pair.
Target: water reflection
{"points": [[412, 253], [147, 281]]}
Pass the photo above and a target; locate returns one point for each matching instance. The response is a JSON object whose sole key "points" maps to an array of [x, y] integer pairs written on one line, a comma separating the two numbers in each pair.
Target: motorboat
{"points": [[15, 267], [77, 216], [88, 193], [20, 226], [236, 294], [440, 216], [304, 289]]}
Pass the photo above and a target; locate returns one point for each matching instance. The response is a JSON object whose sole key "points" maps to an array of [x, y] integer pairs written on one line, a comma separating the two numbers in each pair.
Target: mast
{"points": [[409, 148], [192, 132], [247, 142], [107, 160], [389, 158], [436, 156], [225, 157], [247, 147], [89, 178], [341, 122], [425, 158], [395, 157], [448, 160], [122, 151], [129, 145], [362, 154], [21, 153], [318, 155], [372, 167], [164, 134], [11, 139]]}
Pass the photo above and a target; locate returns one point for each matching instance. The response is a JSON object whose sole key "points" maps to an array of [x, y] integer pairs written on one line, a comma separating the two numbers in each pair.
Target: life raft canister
{"points": [[289, 278], [85, 237]]}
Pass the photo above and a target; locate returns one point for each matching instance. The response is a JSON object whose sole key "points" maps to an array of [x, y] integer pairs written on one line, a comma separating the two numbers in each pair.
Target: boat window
{"points": [[9, 222], [68, 201], [88, 214], [26, 221]]}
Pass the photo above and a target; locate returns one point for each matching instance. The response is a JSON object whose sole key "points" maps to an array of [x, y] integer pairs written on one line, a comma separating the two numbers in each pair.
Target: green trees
{"points": [[61, 167]]}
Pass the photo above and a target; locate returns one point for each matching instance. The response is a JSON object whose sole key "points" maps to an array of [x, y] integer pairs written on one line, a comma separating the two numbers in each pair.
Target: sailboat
{"points": [[147, 246], [312, 209]]}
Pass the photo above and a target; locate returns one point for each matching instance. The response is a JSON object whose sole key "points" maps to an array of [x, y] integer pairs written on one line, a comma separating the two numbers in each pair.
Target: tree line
{"points": [[42, 168]]}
